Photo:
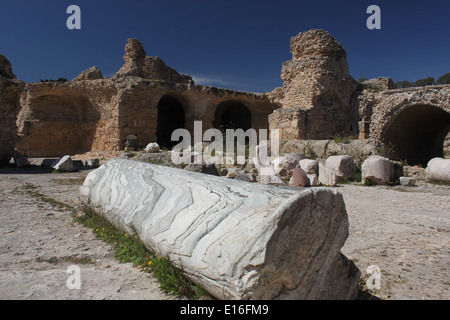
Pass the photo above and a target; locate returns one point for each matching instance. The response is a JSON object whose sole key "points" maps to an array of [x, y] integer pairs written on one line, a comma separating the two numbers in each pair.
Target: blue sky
{"points": [[233, 44]]}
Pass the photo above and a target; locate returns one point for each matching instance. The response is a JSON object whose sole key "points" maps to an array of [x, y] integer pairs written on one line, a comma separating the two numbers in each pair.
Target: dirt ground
{"points": [[405, 231]]}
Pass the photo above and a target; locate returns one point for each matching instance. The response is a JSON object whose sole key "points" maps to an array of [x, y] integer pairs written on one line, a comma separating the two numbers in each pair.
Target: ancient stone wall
{"points": [[138, 64], [319, 100], [139, 101], [317, 81], [10, 90], [95, 114], [413, 122], [68, 118]]}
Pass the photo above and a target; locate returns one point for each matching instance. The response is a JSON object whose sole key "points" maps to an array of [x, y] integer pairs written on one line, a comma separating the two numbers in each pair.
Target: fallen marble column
{"points": [[238, 240]]}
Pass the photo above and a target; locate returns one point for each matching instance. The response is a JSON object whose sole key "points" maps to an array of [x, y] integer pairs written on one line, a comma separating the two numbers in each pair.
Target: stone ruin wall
{"points": [[317, 90], [68, 118], [91, 113], [319, 100], [10, 90]]}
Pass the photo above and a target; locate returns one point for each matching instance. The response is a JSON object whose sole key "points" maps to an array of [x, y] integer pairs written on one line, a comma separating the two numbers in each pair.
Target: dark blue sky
{"points": [[233, 44]]}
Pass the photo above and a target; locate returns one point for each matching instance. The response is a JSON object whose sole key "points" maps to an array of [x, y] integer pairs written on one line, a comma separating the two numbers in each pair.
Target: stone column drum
{"points": [[237, 239]]}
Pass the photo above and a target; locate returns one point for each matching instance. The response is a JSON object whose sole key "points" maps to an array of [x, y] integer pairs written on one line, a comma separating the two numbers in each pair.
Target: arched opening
{"points": [[59, 125], [417, 133], [233, 115], [170, 117]]}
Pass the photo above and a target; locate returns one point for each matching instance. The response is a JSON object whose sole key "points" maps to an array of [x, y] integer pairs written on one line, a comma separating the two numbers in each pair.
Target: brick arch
{"points": [[414, 123], [233, 114], [171, 116]]}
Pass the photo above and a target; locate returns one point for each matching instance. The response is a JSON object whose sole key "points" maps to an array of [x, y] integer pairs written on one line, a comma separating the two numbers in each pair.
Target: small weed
{"points": [[130, 249], [311, 153], [439, 183], [31, 190], [156, 161], [341, 139]]}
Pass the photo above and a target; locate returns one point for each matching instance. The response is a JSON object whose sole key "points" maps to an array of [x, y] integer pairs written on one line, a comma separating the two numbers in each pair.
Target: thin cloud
{"points": [[211, 81]]}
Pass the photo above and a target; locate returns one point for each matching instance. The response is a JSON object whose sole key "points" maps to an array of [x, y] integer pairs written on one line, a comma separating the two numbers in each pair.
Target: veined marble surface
{"points": [[239, 240]]}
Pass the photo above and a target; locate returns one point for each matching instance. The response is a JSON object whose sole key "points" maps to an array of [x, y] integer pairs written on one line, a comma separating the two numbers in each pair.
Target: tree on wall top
{"points": [[444, 79]]}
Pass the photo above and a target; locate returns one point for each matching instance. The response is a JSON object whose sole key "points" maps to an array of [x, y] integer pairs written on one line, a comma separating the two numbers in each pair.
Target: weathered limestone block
{"points": [[327, 177], [238, 240], [313, 181], [407, 181], [284, 166], [343, 166], [438, 169], [377, 169], [299, 178], [309, 166]]}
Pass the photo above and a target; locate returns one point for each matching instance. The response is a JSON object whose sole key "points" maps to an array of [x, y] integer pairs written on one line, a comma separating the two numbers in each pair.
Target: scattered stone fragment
{"points": [[203, 168], [407, 181], [284, 166], [64, 164], [309, 166], [376, 169], [342, 165], [327, 177], [313, 181], [266, 172], [299, 178], [93, 163], [152, 147], [20, 160], [438, 169], [243, 177]]}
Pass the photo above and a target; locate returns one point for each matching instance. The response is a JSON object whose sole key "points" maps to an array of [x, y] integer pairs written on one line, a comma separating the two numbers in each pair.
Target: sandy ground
{"points": [[403, 230]]}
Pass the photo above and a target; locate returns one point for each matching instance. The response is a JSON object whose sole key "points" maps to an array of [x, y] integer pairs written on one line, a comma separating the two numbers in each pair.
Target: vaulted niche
{"points": [[171, 116], [233, 115], [417, 133]]}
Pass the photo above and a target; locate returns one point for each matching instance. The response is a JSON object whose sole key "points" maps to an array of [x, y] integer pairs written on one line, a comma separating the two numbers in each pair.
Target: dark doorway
{"points": [[417, 133], [170, 117], [233, 115]]}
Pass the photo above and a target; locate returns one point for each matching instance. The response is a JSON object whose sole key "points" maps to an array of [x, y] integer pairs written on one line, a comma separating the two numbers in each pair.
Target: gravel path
{"points": [[404, 231], [39, 243]]}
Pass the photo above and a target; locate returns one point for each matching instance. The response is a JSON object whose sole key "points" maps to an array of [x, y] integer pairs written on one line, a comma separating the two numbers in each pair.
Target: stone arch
{"points": [[416, 132], [171, 116], [58, 125], [233, 115]]}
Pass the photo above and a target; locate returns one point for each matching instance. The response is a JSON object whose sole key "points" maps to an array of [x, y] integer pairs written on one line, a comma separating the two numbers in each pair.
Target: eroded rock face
{"points": [[5, 68], [10, 91], [316, 81], [134, 59], [138, 64], [238, 240], [92, 73]]}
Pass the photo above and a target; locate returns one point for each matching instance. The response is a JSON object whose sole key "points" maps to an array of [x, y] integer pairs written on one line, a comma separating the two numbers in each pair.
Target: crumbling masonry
{"points": [[148, 99]]}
